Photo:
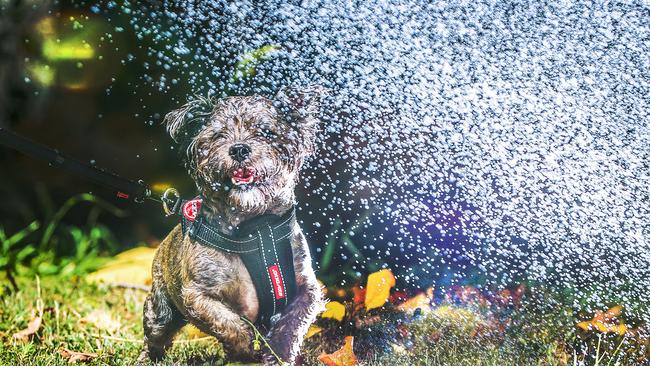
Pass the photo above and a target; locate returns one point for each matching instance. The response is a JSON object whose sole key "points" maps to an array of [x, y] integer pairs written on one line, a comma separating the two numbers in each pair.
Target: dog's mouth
{"points": [[242, 177]]}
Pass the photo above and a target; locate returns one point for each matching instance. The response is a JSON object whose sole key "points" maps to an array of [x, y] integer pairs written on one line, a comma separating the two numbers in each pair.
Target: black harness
{"points": [[264, 245]]}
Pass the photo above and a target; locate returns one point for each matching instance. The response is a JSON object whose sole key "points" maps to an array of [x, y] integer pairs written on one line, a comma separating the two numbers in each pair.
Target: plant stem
{"points": [[12, 280]]}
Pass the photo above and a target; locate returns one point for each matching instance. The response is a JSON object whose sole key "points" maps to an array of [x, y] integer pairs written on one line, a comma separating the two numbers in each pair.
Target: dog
{"points": [[244, 154]]}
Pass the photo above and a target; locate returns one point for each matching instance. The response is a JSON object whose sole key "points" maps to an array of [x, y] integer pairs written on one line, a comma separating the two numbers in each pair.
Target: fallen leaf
{"points": [[343, 357], [605, 322], [420, 301], [102, 319], [359, 295], [584, 325], [129, 267], [334, 310], [73, 356], [313, 330], [32, 327], [378, 288]]}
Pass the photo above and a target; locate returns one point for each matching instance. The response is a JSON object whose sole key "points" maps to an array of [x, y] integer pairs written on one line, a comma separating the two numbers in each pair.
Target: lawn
{"points": [[103, 324]]}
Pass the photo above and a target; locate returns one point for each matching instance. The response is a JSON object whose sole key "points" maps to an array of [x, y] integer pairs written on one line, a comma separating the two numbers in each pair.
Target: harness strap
{"points": [[264, 246]]}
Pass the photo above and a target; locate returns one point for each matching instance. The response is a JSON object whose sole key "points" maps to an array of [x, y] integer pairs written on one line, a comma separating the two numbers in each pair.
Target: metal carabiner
{"points": [[167, 200]]}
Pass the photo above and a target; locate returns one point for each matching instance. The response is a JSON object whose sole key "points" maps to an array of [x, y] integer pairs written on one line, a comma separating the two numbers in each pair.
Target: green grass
{"points": [[107, 321], [86, 318]]}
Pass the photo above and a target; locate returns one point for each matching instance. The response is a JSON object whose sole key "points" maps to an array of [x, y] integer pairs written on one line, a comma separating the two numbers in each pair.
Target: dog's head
{"points": [[246, 152]]}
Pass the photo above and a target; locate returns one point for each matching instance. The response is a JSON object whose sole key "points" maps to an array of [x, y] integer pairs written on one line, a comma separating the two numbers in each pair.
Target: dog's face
{"points": [[246, 152]]}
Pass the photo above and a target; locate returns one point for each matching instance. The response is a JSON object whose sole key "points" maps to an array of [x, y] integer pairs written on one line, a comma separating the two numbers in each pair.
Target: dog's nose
{"points": [[239, 152]]}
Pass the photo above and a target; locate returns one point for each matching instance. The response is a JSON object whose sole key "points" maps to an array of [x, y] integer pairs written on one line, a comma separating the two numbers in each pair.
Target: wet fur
{"points": [[210, 288]]}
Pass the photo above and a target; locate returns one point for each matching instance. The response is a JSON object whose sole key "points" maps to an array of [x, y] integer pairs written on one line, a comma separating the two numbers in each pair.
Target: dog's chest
{"points": [[252, 270], [223, 276]]}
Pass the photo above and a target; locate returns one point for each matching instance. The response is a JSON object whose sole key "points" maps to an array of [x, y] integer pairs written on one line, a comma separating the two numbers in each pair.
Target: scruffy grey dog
{"points": [[268, 141]]}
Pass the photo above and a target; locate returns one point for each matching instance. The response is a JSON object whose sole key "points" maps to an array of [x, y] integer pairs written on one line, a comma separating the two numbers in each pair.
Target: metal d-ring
{"points": [[166, 200]]}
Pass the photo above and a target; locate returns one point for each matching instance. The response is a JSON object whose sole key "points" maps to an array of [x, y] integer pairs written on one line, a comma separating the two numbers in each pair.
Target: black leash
{"points": [[124, 188]]}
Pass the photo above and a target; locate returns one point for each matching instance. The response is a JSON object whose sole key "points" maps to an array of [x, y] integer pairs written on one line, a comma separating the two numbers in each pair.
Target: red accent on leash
{"points": [[276, 278], [122, 195], [191, 209]]}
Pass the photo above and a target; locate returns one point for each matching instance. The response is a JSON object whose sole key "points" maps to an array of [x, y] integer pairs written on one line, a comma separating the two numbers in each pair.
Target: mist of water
{"points": [[521, 127]]}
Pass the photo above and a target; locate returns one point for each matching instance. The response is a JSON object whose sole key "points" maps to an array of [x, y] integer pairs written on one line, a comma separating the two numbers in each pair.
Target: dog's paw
{"points": [[143, 359], [148, 357]]}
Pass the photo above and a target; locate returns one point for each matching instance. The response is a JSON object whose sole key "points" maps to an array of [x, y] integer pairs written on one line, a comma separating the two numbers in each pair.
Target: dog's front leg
{"points": [[288, 332], [161, 321], [218, 320]]}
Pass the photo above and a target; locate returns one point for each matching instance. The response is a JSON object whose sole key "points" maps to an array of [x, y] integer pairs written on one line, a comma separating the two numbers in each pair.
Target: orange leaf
{"points": [[359, 295], [421, 301], [604, 322], [378, 288], [343, 357], [613, 312]]}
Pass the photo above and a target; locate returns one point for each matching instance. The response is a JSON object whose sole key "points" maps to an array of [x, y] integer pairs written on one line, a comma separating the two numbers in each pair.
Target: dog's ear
{"points": [[184, 123], [297, 104], [300, 107]]}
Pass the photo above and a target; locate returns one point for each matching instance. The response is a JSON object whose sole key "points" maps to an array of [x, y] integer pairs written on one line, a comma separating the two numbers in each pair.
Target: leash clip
{"points": [[170, 198]]}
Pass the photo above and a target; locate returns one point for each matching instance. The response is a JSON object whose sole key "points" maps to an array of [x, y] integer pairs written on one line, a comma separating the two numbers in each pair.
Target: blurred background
{"points": [[63, 84]]}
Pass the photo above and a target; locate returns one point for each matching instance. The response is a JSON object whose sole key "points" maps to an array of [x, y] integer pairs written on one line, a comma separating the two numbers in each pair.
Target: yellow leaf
{"points": [[313, 330], [130, 267], [584, 325], [334, 310], [378, 288], [621, 329], [343, 357], [600, 326]]}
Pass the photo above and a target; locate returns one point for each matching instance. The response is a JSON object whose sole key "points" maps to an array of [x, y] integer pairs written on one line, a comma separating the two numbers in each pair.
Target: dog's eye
{"points": [[218, 135], [266, 133]]}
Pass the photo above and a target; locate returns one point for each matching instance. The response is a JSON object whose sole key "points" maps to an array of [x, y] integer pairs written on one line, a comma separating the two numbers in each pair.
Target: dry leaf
{"points": [[73, 356], [130, 267], [334, 310], [343, 357], [102, 319], [378, 288], [32, 327]]}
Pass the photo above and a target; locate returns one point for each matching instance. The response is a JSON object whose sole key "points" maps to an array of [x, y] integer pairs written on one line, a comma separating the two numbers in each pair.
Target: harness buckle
{"points": [[170, 198]]}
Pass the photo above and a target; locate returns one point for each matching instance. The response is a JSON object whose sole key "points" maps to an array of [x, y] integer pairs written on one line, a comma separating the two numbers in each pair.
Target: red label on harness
{"points": [[191, 209], [276, 278]]}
